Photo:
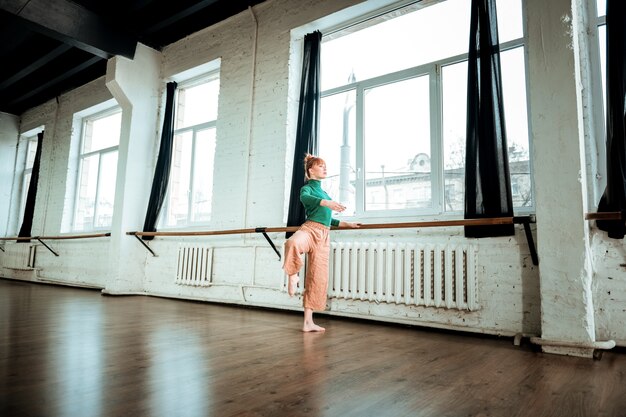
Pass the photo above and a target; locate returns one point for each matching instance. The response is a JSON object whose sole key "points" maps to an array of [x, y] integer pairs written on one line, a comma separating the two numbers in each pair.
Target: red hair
{"points": [[309, 161]]}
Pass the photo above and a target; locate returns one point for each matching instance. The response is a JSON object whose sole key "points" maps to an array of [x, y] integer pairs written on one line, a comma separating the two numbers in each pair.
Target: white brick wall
{"points": [[252, 170], [9, 125], [57, 119]]}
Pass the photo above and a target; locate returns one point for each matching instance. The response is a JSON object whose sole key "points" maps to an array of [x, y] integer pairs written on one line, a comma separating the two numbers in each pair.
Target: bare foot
{"points": [[312, 328], [291, 286]]}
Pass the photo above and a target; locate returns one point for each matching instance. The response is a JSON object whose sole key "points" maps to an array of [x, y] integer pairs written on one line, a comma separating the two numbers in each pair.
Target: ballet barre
{"points": [[41, 239], [608, 215], [524, 220]]}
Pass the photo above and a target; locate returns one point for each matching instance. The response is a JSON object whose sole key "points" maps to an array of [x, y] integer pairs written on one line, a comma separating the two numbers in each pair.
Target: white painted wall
{"points": [[563, 300], [136, 86], [9, 132], [567, 304]]}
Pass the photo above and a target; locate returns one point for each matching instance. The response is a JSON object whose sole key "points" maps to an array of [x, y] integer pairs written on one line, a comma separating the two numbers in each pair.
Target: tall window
{"points": [[601, 22], [191, 180], [394, 105], [31, 150], [97, 170]]}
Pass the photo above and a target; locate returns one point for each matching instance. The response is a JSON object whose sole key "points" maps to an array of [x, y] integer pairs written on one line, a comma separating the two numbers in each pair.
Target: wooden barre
{"points": [[524, 220], [439, 223], [63, 237], [609, 215]]}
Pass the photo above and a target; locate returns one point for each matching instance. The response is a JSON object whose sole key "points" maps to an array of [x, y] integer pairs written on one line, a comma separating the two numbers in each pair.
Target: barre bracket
{"points": [[145, 245], [525, 221], [47, 247], [262, 230]]}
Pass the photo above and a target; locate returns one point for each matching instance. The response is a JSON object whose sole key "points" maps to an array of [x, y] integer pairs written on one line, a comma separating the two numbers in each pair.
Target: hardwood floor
{"points": [[73, 352]]}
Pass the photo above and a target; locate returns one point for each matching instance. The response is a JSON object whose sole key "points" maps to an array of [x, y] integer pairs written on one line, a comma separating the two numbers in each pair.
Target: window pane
{"points": [[516, 119], [102, 133], [106, 189], [32, 150], [25, 186], [197, 104], [602, 41], [454, 79], [601, 7], [83, 219], [338, 148], [454, 106], [180, 180], [393, 133], [510, 24], [397, 145], [397, 44], [203, 175]]}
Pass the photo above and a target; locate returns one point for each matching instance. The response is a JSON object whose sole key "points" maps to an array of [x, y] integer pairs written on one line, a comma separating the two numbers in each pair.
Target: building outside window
{"points": [[191, 179], [394, 105], [97, 170]]}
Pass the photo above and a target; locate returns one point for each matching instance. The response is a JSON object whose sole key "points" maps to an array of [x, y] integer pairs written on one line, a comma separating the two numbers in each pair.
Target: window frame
{"points": [[434, 70], [109, 111], [30, 141], [212, 74], [598, 95]]}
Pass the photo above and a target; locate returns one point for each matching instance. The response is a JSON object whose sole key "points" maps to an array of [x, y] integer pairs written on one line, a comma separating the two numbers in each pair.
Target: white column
{"points": [[136, 86], [567, 319], [9, 131]]}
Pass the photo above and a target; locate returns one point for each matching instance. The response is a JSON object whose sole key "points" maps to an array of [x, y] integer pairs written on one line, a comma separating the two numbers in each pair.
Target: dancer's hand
{"points": [[349, 225], [333, 205]]}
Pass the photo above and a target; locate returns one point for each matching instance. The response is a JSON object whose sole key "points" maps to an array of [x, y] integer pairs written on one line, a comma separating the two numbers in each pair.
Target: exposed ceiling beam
{"points": [[34, 66], [11, 29], [54, 81], [178, 16], [72, 24]]}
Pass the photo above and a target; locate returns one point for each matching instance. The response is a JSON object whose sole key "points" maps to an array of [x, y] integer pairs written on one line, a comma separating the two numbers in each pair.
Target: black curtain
{"points": [[614, 197], [29, 209], [308, 124], [163, 165], [487, 185]]}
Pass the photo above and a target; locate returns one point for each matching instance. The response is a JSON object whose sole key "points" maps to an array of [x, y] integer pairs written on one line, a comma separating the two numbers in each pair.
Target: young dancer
{"points": [[313, 238]]}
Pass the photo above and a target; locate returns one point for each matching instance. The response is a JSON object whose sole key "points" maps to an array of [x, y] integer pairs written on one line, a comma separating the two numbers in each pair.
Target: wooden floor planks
{"points": [[73, 352]]}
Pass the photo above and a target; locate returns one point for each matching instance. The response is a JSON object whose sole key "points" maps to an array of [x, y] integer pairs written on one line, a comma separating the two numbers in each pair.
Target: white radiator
{"points": [[404, 273], [19, 256], [194, 265]]}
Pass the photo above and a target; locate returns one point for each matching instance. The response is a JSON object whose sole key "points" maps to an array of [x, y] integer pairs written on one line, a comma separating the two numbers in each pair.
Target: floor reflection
{"points": [[69, 352], [314, 358], [78, 365], [177, 376]]}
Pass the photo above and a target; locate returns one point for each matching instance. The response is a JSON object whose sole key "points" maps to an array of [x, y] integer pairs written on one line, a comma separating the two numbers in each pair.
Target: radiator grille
{"points": [[194, 265], [20, 256], [404, 273]]}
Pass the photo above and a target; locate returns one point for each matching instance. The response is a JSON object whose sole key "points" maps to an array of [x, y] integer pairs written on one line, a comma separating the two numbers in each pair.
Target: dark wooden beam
{"points": [[34, 66], [54, 81], [178, 16], [72, 24], [12, 34]]}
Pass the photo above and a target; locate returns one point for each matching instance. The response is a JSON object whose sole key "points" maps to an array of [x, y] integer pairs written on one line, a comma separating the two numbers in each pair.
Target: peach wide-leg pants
{"points": [[313, 239]]}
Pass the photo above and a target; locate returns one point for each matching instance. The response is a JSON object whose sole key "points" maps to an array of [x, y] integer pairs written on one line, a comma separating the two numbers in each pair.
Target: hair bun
{"points": [[309, 161]]}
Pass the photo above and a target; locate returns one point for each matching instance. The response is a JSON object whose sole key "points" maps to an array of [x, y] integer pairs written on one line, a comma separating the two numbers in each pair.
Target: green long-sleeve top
{"points": [[311, 194]]}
